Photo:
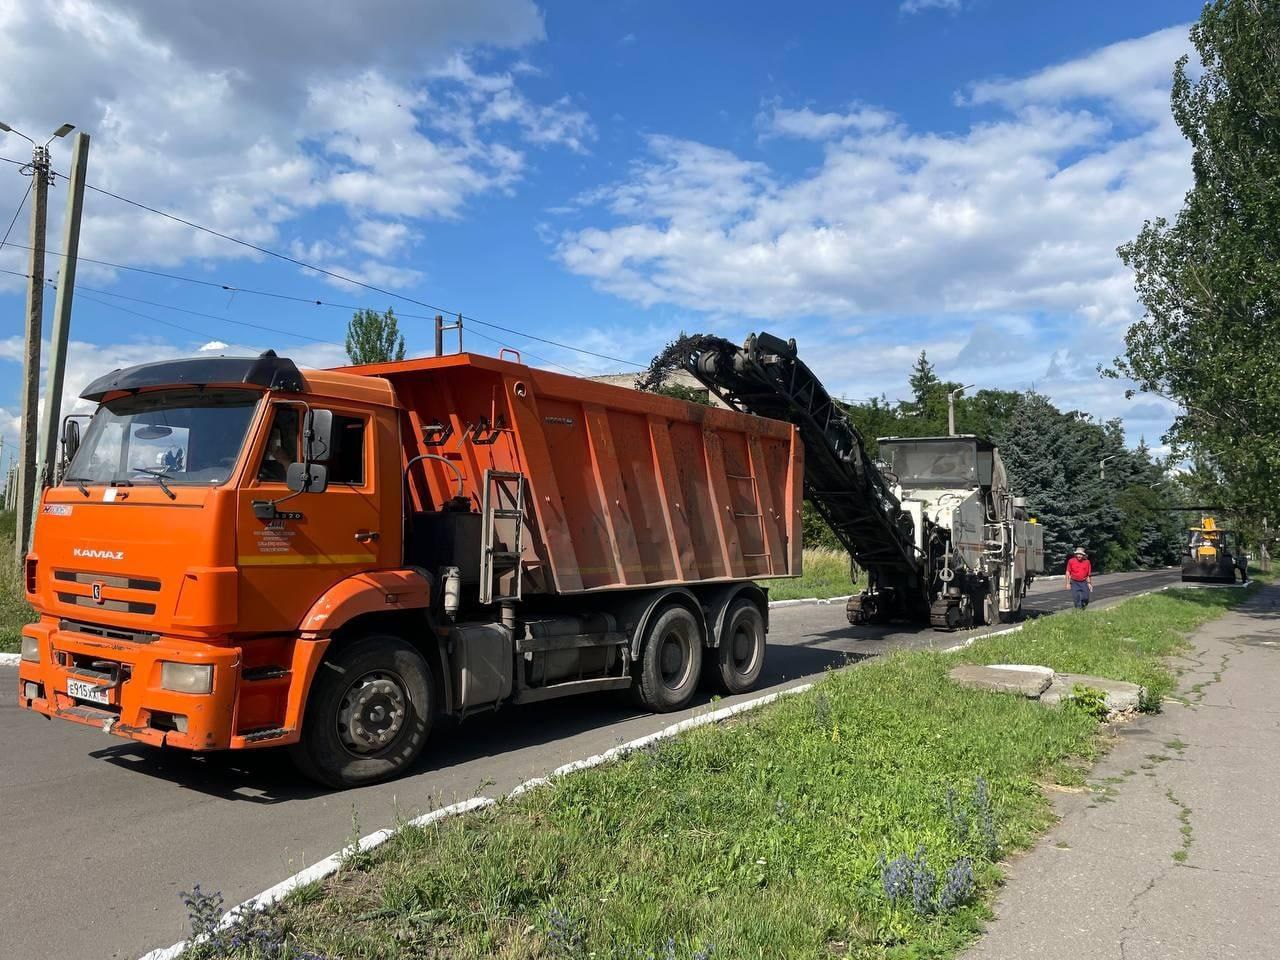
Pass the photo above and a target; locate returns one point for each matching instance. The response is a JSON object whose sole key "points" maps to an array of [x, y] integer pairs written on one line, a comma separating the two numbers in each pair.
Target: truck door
{"points": [[322, 538]]}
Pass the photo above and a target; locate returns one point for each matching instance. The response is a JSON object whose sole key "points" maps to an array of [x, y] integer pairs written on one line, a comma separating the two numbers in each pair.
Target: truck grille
{"points": [[100, 583], [121, 606], [107, 633], [107, 580]]}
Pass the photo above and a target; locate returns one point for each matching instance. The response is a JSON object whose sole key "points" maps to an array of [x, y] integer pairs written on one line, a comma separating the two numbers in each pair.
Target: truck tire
{"points": [[670, 660], [369, 713], [740, 656]]}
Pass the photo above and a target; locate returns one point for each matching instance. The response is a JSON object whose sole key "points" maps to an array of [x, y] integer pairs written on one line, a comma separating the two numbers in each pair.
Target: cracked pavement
{"points": [[1174, 852]]}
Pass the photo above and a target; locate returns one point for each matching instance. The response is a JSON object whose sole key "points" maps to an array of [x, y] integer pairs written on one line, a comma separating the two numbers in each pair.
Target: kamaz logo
{"points": [[97, 554]]}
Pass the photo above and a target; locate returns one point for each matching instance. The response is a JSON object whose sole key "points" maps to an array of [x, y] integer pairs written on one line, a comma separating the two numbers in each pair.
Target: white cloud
{"points": [[1017, 216], [214, 346], [1130, 76], [805, 124], [247, 117], [917, 6], [1021, 212]]}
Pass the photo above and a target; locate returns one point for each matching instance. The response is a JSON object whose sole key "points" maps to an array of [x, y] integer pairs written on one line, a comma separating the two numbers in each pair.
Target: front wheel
{"points": [[369, 713], [740, 656], [670, 661]]}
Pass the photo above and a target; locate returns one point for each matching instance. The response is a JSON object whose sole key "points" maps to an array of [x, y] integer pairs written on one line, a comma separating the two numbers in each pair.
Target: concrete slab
{"points": [[1120, 696], [1022, 679]]}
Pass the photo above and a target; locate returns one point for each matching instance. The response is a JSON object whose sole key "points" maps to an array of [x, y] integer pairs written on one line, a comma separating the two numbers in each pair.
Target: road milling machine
{"points": [[932, 521]]}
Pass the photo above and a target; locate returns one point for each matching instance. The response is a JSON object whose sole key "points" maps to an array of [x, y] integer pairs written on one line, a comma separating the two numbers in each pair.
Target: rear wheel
{"points": [[670, 660], [740, 656], [369, 713]]}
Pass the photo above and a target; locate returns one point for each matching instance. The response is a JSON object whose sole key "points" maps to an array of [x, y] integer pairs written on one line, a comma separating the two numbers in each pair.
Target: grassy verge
{"points": [[826, 574], [14, 609], [865, 818]]}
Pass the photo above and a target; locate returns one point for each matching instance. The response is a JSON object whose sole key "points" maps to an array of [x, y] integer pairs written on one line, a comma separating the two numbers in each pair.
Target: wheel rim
{"points": [[743, 649], [674, 659], [372, 713]]}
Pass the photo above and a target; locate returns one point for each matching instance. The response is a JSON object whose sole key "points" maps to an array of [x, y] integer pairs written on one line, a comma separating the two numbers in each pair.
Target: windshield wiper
{"points": [[161, 477], [79, 482]]}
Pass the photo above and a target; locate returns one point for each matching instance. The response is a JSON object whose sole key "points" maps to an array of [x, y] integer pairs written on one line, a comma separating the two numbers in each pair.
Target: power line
{"points": [[329, 273], [243, 323], [310, 301], [346, 279], [21, 203], [177, 326]]}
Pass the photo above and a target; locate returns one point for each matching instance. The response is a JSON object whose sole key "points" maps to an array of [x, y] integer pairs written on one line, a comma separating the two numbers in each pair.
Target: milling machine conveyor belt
{"points": [[766, 378]]}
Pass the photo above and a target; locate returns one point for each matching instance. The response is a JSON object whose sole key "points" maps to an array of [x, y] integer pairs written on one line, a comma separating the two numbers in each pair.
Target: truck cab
{"points": [[174, 563]]}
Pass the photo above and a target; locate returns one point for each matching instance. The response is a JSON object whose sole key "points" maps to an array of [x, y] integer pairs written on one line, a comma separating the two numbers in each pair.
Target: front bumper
{"points": [[129, 673]]}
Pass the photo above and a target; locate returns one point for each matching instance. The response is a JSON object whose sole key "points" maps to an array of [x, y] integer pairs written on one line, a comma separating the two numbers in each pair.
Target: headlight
{"points": [[186, 677], [30, 649]]}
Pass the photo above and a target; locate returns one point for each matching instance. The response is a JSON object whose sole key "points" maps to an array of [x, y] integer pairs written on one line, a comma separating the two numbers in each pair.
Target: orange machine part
{"points": [[625, 489]]}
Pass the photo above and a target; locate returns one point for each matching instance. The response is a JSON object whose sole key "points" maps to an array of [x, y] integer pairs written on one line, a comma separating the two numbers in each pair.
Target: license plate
{"points": [[83, 690]]}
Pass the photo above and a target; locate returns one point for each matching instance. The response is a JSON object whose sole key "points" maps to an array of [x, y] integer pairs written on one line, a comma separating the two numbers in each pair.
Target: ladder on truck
{"points": [[765, 377], [502, 537]]}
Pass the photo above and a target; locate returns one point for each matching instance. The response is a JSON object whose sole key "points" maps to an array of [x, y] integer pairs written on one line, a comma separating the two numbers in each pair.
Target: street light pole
{"points": [[951, 408], [1102, 466], [48, 447], [27, 480]]}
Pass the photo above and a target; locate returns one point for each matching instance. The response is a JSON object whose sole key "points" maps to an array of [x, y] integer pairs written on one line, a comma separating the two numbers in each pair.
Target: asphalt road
{"points": [[99, 835]]}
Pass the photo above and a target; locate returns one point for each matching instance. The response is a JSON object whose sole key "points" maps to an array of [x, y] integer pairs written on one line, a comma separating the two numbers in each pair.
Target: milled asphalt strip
{"points": [[330, 864]]}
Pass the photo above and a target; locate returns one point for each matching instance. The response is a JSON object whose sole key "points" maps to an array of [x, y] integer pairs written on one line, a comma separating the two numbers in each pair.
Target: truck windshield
{"points": [[167, 437], [936, 463]]}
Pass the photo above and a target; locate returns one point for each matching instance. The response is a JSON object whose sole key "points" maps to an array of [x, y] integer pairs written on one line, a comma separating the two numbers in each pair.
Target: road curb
{"points": [[330, 864], [808, 600], [9, 659]]}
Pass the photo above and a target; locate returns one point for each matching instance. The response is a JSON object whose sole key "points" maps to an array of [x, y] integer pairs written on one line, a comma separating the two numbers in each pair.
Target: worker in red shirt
{"points": [[1079, 577]]}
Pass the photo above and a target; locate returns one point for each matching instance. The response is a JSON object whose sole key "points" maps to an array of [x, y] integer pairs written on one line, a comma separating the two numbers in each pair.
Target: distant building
{"points": [[680, 379]]}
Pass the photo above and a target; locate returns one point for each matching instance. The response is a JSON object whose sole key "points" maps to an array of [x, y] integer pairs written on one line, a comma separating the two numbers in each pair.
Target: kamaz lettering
{"points": [[97, 554]]}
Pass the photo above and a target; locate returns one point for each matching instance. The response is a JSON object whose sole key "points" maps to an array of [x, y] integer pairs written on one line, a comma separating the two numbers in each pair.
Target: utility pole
{"points": [[27, 479], [48, 448]]}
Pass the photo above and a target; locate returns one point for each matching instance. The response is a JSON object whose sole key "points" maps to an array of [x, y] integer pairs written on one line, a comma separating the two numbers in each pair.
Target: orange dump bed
{"points": [[624, 489]]}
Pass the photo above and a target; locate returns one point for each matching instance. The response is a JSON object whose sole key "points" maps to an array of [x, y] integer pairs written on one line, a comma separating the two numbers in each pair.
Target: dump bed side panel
{"points": [[625, 489]]}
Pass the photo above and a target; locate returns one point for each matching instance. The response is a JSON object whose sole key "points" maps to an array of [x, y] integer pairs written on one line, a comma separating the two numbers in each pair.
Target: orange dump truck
{"points": [[241, 554]]}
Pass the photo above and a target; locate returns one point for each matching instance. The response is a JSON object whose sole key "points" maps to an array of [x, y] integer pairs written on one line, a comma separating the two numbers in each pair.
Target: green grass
{"points": [[14, 609], [826, 574], [763, 837]]}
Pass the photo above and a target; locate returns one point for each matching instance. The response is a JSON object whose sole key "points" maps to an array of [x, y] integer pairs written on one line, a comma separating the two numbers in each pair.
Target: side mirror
{"points": [[317, 440], [307, 477], [70, 438]]}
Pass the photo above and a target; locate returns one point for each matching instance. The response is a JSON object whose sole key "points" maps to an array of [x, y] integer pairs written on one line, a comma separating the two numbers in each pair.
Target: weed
{"points": [[15, 612], [256, 934], [1089, 700]]}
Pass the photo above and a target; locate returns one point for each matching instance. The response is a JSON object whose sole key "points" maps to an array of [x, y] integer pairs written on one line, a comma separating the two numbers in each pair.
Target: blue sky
{"points": [[872, 178]]}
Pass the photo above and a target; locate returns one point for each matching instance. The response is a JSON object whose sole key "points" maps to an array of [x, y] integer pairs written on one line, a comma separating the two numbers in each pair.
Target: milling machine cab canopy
{"points": [[936, 463]]}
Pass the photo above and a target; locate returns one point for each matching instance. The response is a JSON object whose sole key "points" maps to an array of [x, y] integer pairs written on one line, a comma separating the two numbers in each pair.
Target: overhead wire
{"points": [[21, 203], [329, 273], [346, 279], [84, 291]]}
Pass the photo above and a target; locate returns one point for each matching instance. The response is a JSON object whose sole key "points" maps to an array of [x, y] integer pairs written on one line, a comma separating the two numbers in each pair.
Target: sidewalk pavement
{"points": [[1175, 852]]}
